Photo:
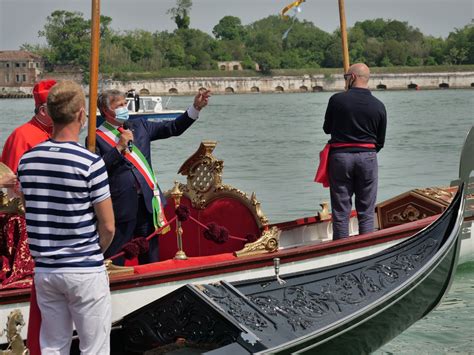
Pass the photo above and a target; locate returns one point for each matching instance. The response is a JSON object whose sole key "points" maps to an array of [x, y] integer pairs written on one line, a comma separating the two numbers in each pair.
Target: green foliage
{"points": [[379, 43], [180, 13], [460, 46], [266, 62], [68, 35], [229, 28]]}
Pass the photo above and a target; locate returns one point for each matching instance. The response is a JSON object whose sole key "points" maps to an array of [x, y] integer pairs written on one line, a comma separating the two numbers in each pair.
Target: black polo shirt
{"points": [[356, 116]]}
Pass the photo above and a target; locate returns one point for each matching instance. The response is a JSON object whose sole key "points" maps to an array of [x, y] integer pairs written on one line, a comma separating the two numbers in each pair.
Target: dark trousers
{"points": [[140, 226], [352, 174]]}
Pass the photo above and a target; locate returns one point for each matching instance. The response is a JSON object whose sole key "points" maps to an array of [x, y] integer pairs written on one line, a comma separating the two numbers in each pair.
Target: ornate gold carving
{"points": [[409, 214], [267, 243], [176, 194], [204, 182], [324, 213], [15, 323], [443, 195], [11, 204], [115, 270]]}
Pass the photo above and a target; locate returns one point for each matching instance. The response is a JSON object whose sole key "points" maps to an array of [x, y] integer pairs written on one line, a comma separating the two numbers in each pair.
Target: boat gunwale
{"points": [[292, 254]]}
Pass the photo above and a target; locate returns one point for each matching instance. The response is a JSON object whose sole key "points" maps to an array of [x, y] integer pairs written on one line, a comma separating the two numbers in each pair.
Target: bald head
{"points": [[362, 74]]}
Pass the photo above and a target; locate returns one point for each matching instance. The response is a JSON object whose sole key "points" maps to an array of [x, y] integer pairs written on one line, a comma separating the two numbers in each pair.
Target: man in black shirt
{"points": [[356, 121]]}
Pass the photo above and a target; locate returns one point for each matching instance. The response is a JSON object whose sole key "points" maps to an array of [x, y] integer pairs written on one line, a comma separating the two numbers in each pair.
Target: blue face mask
{"points": [[121, 114]]}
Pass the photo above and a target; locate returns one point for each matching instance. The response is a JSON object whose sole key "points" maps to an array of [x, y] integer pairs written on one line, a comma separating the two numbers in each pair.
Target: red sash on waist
{"points": [[322, 172]]}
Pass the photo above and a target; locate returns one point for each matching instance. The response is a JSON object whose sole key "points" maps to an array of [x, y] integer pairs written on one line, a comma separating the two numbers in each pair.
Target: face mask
{"points": [[121, 114]]}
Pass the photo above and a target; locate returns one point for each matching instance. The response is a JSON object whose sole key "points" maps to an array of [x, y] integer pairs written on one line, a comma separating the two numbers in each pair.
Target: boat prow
{"points": [[349, 308]]}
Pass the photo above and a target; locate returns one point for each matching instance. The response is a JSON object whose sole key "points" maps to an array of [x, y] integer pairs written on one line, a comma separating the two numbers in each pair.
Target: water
{"points": [[270, 145]]}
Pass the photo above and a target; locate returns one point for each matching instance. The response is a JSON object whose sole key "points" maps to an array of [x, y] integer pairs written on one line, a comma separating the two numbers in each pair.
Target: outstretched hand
{"points": [[201, 99]]}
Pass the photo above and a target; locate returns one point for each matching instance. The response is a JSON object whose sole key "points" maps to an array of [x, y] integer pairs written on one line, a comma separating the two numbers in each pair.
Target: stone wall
{"points": [[305, 83]]}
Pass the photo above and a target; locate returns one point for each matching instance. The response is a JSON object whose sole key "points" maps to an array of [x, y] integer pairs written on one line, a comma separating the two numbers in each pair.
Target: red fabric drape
{"points": [[17, 263], [322, 171]]}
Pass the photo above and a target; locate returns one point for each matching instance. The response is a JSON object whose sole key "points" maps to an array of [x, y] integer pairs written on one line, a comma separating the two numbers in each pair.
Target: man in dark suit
{"points": [[124, 146]]}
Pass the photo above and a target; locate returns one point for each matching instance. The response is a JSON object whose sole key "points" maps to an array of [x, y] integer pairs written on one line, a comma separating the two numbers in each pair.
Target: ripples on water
{"points": [[448, 329], [270, 145]]}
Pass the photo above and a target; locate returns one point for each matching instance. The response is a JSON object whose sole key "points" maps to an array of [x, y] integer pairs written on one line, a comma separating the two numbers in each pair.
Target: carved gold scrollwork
{"points": [[15, 323], [409, 214], [440, 194], [324, 213], [115, 270], [204, 182], [11, 204], [267, 243]]}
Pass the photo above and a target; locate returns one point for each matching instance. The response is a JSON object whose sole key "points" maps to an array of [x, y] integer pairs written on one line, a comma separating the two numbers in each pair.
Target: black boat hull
{"points": [[350, 308]]}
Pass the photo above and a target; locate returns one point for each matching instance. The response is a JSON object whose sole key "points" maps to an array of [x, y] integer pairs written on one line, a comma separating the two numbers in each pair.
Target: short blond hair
{"points": [[65, 100]]}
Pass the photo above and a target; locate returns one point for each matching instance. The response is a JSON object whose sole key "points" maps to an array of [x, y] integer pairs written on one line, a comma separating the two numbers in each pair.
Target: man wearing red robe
{"points": [[37, 130]]}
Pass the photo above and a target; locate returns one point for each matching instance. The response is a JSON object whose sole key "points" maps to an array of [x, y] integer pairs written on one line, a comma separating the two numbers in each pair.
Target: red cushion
{"points": [[183, 264], [227, 212]]}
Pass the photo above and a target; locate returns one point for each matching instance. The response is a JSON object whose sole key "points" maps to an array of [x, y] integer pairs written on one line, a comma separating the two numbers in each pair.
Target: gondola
{"points": [[136, 286], [300, 245], [353, 307], [348, 308]]}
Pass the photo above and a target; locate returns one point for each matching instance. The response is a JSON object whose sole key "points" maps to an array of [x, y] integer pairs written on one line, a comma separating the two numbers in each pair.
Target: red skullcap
{"points": [[41, 90]]}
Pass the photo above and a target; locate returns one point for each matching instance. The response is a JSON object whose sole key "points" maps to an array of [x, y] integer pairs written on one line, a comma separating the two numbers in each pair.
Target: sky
{"points": [[20, 20]]}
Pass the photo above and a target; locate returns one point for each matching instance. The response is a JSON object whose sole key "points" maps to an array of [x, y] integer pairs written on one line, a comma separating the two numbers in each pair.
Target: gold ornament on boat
{"points": [[176, 194], [409, 214], [324, 213], [15, 323], [267, 243], [115, 270], [442, 195], [204, 183], [11, 204]]}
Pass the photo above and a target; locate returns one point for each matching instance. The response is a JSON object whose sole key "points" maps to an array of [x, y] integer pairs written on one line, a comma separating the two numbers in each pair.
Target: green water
{"points": [[270, 145]]}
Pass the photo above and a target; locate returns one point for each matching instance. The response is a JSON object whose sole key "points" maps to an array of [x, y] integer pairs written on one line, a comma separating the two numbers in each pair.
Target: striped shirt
{"points": [[61, 182]]}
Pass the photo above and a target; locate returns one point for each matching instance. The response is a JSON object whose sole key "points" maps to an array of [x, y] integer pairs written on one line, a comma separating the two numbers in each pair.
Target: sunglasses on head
{"points": [[347, 76]]}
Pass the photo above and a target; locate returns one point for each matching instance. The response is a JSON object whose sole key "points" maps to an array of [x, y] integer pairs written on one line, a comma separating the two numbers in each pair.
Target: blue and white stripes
{"points": [[61, 182]]}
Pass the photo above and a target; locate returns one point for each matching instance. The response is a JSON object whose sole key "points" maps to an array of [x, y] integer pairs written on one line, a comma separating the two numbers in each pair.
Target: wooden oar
{"points": [[94, 73]]}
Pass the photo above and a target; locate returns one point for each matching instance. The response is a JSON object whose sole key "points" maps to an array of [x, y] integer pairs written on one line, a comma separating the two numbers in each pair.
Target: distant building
{"points": [[232, 65], [19, 70], [229, 65]]}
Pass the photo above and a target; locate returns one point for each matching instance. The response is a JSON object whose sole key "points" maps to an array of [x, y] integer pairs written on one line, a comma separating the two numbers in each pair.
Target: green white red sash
{"points": [[111, 136]]}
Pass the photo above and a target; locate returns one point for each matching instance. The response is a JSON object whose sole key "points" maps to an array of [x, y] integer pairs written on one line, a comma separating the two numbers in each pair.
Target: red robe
{"points": [[23, 138]]}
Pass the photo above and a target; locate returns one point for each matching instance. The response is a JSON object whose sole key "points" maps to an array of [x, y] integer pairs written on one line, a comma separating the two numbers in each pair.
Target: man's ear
{"points": [[43, 110]]}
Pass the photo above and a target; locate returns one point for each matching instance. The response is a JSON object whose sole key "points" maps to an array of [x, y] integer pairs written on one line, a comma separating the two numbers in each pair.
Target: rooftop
{"points": [[18, 55]]}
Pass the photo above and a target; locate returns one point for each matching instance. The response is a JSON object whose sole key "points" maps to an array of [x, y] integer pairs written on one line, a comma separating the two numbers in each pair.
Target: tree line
{"points": [[378, 43]]}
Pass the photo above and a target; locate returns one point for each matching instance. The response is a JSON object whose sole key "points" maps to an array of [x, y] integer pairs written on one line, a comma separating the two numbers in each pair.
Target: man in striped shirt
{"points": [[70, 224]]}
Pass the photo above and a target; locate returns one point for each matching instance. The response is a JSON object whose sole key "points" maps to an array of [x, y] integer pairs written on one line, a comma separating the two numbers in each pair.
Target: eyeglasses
{"points": [[347, 76]]}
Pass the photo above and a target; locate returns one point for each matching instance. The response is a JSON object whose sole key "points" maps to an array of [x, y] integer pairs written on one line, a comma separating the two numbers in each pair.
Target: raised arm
{"points": [[162, 130]]}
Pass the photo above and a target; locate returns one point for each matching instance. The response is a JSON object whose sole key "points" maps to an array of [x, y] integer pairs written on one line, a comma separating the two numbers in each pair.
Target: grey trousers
{"points": [[352, 174]]}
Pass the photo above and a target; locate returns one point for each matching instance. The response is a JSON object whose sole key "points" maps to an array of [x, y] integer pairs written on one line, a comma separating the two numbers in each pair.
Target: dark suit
{"points": [[131, 196]]}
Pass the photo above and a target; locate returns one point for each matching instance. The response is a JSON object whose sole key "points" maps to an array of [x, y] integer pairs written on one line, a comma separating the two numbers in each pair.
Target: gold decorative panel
{"points": [[204, 183]]}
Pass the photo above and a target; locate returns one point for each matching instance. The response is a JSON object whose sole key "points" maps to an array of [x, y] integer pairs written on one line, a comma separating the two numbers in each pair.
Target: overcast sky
{"points": [[20, 20]]}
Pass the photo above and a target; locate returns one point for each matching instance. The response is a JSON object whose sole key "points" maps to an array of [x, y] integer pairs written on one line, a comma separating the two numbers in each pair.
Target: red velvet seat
{"points": [[209, 200], [228, 212]]}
